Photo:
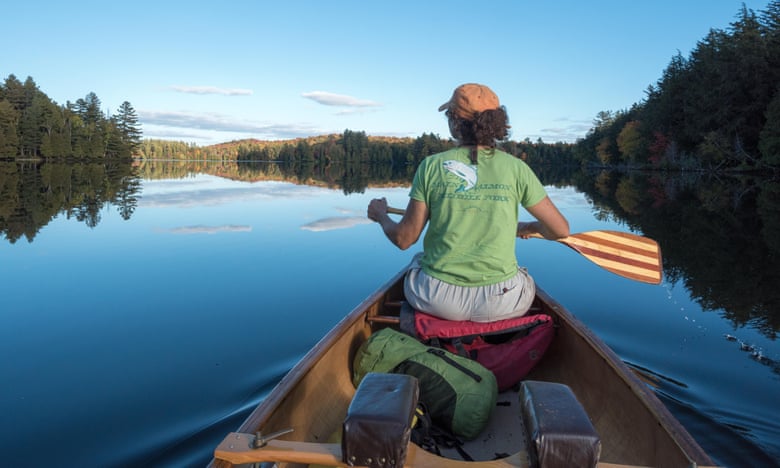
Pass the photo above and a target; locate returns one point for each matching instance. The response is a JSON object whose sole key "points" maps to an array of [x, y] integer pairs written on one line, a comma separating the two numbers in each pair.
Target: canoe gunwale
{"points": [[650, 400]]}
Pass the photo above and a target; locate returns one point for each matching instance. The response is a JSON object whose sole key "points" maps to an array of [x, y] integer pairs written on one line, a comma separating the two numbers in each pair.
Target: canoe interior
{"points": [[634, 426]]}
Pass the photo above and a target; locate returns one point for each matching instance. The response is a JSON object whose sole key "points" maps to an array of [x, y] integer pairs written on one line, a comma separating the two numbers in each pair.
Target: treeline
{"points": [[33, 126], [347, 148], [718, 109]]}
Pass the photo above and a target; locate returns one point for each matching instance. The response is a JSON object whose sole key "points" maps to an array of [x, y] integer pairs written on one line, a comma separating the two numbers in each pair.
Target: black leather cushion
{"points": [[378, 424], [558, 430]]}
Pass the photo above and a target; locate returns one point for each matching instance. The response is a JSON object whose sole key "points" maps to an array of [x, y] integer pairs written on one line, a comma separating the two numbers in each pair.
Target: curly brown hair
{"points": [[486, 128]]}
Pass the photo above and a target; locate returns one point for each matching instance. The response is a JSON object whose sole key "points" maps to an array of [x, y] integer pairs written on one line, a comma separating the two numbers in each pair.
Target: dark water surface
{"points": [[139, 328]]}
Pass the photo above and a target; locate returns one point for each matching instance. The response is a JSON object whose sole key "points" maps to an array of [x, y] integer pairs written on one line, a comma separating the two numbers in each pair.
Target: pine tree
{"points": [[9, 140], [770, 134], [128, 127]]}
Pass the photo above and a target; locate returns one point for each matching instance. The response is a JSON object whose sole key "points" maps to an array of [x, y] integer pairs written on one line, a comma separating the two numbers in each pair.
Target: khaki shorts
{"points": [[507, 299]]}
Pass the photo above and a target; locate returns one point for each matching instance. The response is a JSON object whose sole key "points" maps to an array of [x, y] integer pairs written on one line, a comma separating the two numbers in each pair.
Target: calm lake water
{"points": [[140, 334]]}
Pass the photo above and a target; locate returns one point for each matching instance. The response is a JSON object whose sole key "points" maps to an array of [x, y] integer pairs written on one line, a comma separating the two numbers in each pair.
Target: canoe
{"points": [[634, 427]]}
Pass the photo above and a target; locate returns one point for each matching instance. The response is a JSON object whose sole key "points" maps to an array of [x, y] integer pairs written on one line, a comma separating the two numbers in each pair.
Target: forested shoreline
{"points": [[716, 110], [348, 147], [34, 126]]}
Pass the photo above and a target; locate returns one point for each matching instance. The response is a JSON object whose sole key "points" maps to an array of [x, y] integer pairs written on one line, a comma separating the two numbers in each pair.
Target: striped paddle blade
{"points": [[628, 255]]}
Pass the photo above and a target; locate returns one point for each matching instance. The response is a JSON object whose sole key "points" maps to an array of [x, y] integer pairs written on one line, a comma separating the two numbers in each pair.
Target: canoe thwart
{"points": [[237, 449], [262, 440], [394, 320]]}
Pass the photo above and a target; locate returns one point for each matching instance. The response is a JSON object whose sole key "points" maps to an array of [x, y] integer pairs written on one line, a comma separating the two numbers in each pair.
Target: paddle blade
{"points": [[628, 255]]}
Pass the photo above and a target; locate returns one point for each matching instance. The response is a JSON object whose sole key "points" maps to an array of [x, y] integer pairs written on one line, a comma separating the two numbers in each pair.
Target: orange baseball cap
{"points": [[470, 98]]}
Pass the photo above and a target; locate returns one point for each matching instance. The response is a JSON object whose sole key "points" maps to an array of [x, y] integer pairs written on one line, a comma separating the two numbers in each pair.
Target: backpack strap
{"points": [[407, 325], [443, 355], [431, 437], [406, 316], [458, 344]]}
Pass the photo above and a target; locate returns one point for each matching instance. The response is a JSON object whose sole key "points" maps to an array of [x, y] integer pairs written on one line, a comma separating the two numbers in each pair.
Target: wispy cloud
{"points": [[222, 123], [569, 131], [169, 134], [208, 229], [339, 100], [336, 222], [211, 90]]}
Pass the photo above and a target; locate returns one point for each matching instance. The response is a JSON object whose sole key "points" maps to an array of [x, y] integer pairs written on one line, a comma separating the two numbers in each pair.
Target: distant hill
{"points": [[311, 140]]}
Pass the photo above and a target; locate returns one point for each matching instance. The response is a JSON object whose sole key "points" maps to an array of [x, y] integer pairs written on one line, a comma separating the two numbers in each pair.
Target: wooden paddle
{"points": [[625, 254]]}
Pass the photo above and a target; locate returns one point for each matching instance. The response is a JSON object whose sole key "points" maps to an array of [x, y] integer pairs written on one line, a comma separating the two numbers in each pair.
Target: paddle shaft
{"points": [[628, 255]]}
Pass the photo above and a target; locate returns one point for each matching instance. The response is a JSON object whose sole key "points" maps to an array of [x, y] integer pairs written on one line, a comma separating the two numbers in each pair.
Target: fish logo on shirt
{"points": [[465, 172]]}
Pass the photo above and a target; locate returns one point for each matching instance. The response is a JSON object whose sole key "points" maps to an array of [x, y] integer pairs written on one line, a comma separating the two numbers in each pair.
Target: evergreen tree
{"points": [[9, 141], [770, 135], [126, 135], [14, 93]]}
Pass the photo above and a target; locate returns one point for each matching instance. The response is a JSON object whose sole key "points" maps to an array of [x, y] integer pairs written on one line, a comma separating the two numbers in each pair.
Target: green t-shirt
{"points": [[471, 233]]}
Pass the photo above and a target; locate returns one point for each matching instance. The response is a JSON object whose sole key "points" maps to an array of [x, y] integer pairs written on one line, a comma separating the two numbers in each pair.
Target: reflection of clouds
{"points": [[192, 198], [199, 192], [208, 229], [349, 211], [567, 197], [336, 222]]}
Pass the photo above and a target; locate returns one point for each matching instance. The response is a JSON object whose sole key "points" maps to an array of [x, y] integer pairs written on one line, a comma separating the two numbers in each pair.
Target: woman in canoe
{"points": [[469, 197]]}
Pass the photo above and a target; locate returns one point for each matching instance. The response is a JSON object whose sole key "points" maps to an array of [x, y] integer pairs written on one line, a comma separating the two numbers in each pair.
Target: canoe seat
{"points": [[377, 427], [558, 430]]}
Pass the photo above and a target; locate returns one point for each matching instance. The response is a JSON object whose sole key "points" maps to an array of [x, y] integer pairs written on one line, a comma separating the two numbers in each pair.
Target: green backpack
{"points": [[458, 393]]}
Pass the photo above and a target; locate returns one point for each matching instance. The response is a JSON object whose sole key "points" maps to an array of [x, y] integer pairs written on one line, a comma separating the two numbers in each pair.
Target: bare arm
{"points": [[550, 223], [405, 232]]}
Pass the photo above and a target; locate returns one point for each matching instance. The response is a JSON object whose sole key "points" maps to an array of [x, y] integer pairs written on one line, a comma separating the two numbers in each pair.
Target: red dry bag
{"points": [[509, 348]]}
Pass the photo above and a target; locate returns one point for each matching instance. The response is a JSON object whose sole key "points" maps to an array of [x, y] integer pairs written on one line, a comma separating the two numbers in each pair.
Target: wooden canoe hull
{"points": [[635, 428]]}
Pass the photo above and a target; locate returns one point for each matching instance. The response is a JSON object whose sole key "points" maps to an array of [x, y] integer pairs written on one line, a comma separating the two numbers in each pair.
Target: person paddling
{"points": [[469, 197]]}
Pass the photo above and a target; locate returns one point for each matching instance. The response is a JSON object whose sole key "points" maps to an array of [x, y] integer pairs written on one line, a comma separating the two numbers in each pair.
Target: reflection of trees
{"points": [[32, 194], [768, 205], [351, 177], [719, 235]]}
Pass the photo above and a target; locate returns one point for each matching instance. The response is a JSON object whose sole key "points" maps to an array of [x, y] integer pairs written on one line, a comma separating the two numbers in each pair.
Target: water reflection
{"points": [[720, 235], [348, 177], [207, 256], [33, 193]]}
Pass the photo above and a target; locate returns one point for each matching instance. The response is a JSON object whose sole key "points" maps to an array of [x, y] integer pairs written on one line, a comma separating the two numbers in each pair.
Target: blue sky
{"points": [[210, 72]]}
